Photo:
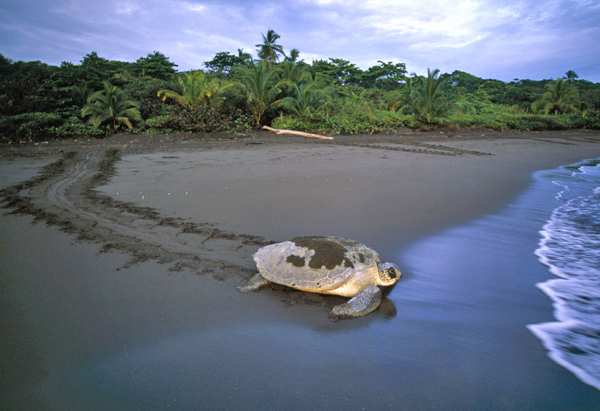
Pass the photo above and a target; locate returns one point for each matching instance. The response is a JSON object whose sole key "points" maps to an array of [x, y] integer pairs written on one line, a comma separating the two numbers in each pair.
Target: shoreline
{"points": [[146, 311], [451, 182], [485, 281]]}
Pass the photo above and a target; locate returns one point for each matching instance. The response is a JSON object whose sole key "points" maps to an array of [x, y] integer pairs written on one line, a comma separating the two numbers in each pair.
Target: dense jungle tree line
{"points": [[236, 93]]}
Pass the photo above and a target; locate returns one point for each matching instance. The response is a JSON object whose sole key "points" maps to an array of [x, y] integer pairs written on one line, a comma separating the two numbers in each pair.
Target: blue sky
{"points": [[502, 39]]}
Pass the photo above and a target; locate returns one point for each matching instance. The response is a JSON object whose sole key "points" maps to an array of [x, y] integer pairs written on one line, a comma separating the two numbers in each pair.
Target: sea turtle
{"points": [[326, 265]]}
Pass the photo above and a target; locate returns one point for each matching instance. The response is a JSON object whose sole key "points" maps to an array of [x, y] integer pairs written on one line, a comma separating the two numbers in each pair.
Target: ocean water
{"points": [[570, 248]]}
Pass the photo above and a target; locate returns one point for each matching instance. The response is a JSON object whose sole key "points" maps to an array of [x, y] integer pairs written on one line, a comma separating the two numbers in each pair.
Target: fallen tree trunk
{"points": [[299, 133]]}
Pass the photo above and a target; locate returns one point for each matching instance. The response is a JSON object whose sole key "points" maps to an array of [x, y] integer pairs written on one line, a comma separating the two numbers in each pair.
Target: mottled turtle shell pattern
{"points": [[317, 264]]}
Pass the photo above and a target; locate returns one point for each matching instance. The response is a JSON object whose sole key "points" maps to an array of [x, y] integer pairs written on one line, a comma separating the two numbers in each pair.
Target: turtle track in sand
{"points": [[414, 147], [64, 195]]}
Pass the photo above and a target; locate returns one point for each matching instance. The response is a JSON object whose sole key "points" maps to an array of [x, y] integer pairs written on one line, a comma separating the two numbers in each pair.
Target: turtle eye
{"points": [[392, 273]]}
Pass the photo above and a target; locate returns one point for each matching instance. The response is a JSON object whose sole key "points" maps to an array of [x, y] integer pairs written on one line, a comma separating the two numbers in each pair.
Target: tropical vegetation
{"points": [[196, 90], [426, 96], [259, 84], [558, 97], [235, 92], [112, 105], [268, 51]]}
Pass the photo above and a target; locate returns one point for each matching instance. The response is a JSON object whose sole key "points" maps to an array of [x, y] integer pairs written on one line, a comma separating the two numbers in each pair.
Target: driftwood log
{"points": [[298, 133]]}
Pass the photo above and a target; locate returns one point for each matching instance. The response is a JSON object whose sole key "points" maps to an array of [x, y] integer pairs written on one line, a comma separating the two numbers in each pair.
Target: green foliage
{"points": [[5, 66], [349, 122], [590, 101], [590, 121], [339, 71], [467, 82], [298, 124], [95, 69], [23, 87], [224, 62], [196, 88], [385, 76], [5, 104], [308, 98], [28, 126], [72, 127], [294, 73], [508, 119], [473, 104], [259, 83], [269, 51], [145, 91], [68, 75], [351, 114], [39, 101], [41, 126], [427, 98], [82, 94], [293, 57], [155, 65], [558, 97], [202, 119], [570, 76], [112, 105], [303, 94], [399, 100]]}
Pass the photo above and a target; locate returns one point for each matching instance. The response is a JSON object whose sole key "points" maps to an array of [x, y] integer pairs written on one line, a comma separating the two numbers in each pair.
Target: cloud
{"points": [[492, 39]]}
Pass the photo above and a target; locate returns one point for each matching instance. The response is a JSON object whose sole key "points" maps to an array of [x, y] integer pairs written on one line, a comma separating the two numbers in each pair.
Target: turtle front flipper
{"points": [[252, 284], [363, 303]]}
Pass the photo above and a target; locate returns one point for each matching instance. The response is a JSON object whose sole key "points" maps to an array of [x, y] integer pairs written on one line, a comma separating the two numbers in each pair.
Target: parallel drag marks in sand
{"points": [[436, 149], [64, 195]]}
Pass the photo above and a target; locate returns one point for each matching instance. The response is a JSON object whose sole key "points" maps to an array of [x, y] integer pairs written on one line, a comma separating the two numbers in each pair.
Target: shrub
{"points": [[510, 118], [31, 126], [202, 119], [294, 123], [40, 126], [349, 122], [73, 127], [144, 90]]}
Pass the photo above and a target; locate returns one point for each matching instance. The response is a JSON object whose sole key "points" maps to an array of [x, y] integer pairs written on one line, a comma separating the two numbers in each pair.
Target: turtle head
{"points": [[388, 273]]}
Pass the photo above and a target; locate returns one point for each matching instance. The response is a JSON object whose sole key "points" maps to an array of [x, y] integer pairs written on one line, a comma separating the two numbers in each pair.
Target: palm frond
{"points": [[112, 104]]}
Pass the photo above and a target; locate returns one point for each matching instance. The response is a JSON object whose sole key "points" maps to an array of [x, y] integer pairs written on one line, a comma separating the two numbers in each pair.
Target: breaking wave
{"points": [[570, 247]]}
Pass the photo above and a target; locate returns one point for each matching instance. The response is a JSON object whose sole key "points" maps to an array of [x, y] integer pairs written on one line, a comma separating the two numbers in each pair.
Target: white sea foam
{"points": [[570, 247]]}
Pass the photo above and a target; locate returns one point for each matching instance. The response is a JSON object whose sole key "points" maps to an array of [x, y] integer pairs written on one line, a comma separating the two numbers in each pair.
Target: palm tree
{"points": [[571, 76], [243, 55], [111, 104], [308, 97], [559, 96], [293, 73], [258, 81], [197, 90], [427, 97], [399, 100], [82, 93], [268, 50], [294, 54]]}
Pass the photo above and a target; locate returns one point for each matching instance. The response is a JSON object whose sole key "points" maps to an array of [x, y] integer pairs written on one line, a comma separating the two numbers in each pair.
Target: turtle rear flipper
{"points": [[253, 284], [366, 301]]}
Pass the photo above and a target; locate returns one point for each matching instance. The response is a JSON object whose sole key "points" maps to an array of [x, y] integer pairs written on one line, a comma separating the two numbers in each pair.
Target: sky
{"points": [[498, 39]]}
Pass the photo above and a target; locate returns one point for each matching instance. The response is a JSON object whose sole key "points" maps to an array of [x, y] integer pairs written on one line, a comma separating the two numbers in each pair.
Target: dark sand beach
{"points": [[118, 272]]}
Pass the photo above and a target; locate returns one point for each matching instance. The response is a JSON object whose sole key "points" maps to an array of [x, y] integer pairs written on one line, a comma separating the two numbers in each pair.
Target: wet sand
{"points": [[128, 300]]}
